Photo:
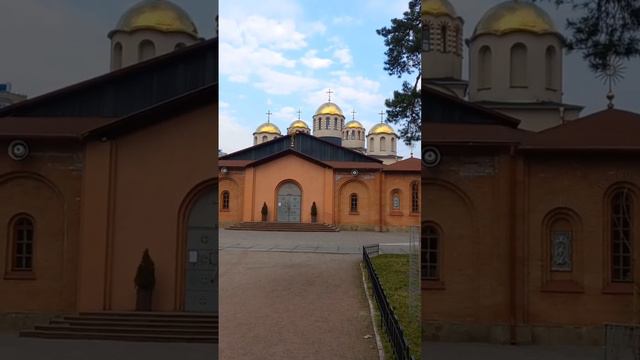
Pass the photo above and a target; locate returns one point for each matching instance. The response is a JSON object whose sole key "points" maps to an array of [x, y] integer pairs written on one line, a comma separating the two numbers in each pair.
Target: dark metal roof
{"points": [[131, 89], [444, 108], [308, 145]]}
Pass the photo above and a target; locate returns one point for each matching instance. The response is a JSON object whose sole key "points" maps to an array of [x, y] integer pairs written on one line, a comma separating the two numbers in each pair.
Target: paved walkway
{"points": [[284, 305], [464, 351], [13, 347], [343, 242]]}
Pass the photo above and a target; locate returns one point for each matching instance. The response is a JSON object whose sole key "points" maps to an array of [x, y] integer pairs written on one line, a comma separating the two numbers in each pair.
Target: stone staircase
{"points": [[131, 326], [289, 227]]}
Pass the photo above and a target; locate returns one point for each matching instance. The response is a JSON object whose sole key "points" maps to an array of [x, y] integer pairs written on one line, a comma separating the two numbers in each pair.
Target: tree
{"points": [[403, 40], [604, 29]]}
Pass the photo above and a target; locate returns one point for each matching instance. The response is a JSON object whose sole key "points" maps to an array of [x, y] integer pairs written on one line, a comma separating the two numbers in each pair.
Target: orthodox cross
{"points": [[412, 145], [269, 113], [299, 114], [353, 114], [330, 92], [381, 113]]}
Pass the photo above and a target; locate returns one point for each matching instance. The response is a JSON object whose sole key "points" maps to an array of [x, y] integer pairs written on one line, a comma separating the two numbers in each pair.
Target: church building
{"points": [[529, 213], [354, 179], [95, 173]]}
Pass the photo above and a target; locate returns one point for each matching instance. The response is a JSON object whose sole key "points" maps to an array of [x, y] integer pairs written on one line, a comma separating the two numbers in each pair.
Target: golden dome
{"points": [[268, 128], [353, 124], [160, 15], [329, 109], [438, 8], [299, 124], [381, 128], [514, 16]]}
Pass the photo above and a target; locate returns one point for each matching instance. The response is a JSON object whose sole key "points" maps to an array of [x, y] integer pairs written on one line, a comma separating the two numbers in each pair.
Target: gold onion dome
{"points": [[160, 15], [299, 124], [514, 16], [268, 128], [381, 128], [329, 109], [354, 124], [438, 8]]}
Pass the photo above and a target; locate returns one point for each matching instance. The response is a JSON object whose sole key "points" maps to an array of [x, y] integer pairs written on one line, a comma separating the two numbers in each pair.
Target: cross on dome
{"points": [[353, 114], [330, 92], [269, 113], [381, 113]]}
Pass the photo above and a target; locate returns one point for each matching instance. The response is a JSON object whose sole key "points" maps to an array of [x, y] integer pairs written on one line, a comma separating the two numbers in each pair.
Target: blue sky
{"points": [[284, 55]]}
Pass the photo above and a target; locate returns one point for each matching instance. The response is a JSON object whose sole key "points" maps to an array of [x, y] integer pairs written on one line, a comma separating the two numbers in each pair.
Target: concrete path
{"points": [[343, 242], [285, 305], [464, 351], [13, 347]]}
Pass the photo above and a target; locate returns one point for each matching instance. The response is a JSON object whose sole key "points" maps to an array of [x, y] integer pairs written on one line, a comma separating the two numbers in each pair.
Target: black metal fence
{"points": [[388, 319]]}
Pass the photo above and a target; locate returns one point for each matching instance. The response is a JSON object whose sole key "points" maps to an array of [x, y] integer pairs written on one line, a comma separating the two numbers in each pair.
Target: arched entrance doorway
{"points": [[289, 200], [201, 269]]}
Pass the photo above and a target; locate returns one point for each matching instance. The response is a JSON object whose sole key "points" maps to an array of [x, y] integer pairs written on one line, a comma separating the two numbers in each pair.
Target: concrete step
{"points": [[128, 330], [146, 319], [118, 336], [288, 227], [132, 324], [142, 314]]}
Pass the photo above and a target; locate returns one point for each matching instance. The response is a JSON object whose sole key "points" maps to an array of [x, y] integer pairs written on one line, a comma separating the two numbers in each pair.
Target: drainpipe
{"points": [[513, 279]]}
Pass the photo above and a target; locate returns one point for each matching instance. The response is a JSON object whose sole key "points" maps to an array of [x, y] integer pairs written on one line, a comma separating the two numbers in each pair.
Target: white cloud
{"points": [[344, 56], [240, 63], [285, 114], [314, 62], [233, 135], [280, 83], [346, 20], [257, 31]]}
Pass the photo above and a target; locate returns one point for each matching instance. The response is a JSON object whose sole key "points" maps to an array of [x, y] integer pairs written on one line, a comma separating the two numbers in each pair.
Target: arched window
{"points": [[146, 50], [180, 45], [485, 75], [335, 123], [415, 198], [264, 138], [22, 235], [255, 140], [443, 33], [430, 251], [518, 74], [117, 56], [561, 237], [383, 144], [393, 144], [371, 144], [395, 200], [225, 200], [353, 134], [426, 37], [550, 69], [354, 203], [622, 213], [359, 135], [328, 123]]}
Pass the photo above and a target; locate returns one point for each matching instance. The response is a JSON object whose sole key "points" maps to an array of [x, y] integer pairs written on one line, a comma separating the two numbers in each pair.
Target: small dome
{"points": [[438, 8], [514, 16], [382, 128], [329, 109], [299, 124], [268, 128], [160, 15], [353, 124]]}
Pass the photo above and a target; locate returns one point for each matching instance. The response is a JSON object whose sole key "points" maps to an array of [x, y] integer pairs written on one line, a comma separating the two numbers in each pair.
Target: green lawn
{"points": [[393, 271]]}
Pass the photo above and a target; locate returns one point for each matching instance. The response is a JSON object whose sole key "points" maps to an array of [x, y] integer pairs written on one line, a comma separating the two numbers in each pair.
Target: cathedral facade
{"points": [[529, 226], [354, 179], [84, 186]]}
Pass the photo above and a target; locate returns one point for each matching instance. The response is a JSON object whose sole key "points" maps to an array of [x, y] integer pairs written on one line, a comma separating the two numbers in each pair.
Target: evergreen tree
{"points": [[403, 40], [603, 29]]}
